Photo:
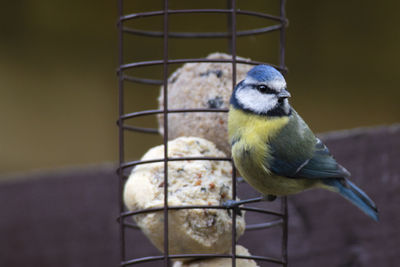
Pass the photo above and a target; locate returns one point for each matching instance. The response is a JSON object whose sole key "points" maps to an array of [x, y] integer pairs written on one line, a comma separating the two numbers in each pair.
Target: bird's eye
{"points": [[264, 89]]}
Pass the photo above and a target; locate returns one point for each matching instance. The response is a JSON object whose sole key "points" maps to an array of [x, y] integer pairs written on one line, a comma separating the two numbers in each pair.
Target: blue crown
{"points": [[265, 73]]}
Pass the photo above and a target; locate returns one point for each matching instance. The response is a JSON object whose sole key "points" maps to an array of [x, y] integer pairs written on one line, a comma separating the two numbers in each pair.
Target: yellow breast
{"points": [[253, 131], [249, 135]]}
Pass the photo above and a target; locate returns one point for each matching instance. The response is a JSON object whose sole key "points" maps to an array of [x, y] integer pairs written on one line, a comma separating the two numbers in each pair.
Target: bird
{"points": [[274, 149]]}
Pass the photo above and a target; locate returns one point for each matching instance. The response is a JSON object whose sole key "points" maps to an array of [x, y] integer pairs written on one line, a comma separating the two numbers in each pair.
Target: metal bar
{"points": [[234, 191], [193, 60], [204, 34], [250, 227], [138, 162], [284, 231], [142, 80], [149, 210], [165, 91], [232, 34], [140, 129], [262, 211], [142, 260], [160, 111], [284, 199], [261, 15], [282, 39], [120, 131], [199, 256], [261, 258], [264, 225], [229, 5], [191, 11], [141, 113], [134, 226]]}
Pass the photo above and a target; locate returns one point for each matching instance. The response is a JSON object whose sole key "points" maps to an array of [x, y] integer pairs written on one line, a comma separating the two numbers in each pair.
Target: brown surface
{"points": [[325, 230], [67, 218], [60, 219]]}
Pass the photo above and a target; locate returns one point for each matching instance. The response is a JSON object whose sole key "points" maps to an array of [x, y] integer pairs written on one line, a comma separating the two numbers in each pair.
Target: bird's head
{"points": [[262, 92]]}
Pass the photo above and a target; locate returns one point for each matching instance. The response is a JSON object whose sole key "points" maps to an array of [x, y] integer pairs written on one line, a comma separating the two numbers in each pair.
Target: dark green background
{"points": [[58, 86]]}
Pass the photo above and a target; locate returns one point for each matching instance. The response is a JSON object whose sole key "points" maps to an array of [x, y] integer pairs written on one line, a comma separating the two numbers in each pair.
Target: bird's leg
{"points": [[231, 204], [234, 204]]}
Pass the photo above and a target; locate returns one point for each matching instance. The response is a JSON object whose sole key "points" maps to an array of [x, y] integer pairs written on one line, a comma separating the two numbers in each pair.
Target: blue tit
{"points": [[274, 149]]}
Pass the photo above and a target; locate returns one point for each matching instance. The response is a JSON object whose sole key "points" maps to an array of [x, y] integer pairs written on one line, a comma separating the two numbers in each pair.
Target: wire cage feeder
{"points": [[280, 217]]}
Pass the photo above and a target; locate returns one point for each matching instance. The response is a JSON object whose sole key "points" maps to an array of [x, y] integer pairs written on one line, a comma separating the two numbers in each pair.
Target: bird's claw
{"points": [[234, 205]]}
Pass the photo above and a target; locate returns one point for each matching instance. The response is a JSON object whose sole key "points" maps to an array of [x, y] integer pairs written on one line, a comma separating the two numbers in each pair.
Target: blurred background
{"points": [[59, 106], [58, 61]]}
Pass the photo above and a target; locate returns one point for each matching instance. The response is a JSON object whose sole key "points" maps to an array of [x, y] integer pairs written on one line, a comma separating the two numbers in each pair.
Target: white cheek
{"points": [[254, 100], [277, 84]]}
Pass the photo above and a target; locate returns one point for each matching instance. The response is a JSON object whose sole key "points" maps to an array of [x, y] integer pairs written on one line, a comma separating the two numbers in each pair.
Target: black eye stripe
{"points": [[264, 89]]}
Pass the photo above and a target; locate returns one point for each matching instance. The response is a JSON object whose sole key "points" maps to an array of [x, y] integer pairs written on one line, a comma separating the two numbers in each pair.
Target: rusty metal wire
{"points": [[231, 34]]}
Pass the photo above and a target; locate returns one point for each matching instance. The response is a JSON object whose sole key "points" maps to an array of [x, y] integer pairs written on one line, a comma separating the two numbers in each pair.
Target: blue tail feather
{"points": [[355, 195]]}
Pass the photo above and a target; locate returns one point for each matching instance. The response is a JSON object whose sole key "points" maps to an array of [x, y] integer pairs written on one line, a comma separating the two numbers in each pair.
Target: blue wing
{"points": [[296, 153], [320, 165]]}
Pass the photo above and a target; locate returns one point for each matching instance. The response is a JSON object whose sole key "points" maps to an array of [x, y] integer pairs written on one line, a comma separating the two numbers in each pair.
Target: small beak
{"points": [[284, 94]]}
